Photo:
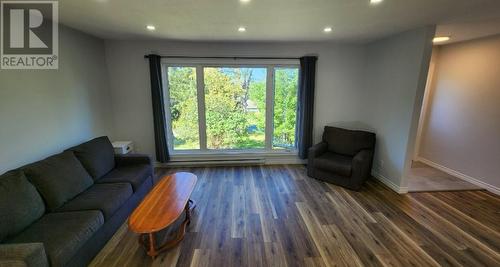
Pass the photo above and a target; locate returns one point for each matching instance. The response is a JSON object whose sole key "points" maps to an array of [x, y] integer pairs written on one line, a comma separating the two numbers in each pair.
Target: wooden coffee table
{"points": [[160, 208]]}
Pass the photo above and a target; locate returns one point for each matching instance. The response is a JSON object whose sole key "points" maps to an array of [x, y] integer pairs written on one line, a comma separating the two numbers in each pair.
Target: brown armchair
{"points": [[344, 157]]}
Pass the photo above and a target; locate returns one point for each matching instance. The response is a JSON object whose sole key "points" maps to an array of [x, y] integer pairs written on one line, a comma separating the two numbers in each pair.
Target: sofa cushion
{"points": [[347, 142], [58, 178], [107, 198], [96, 155], [23, 255], [62, 233], [133, 174], [20, 204], [335, 163]]}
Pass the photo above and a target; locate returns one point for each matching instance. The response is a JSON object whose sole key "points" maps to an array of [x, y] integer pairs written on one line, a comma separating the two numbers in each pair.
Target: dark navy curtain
{"points": [[158, 109], [305, 114]]}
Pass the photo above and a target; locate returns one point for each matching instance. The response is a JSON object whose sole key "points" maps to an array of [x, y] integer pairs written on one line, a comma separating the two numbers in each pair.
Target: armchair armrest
{"points": [[131, 159], [361, 167], [314, 152], [317, 149], [23, 255]]}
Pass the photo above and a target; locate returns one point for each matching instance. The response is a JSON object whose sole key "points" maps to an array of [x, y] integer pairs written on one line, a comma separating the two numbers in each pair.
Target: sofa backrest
{"points": [[20, 204], [96, 155], [347, 142], [58, 178]]}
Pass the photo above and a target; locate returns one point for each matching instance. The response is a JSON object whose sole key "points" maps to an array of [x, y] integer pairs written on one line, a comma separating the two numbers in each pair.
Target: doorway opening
{"points": [[425, 174]]}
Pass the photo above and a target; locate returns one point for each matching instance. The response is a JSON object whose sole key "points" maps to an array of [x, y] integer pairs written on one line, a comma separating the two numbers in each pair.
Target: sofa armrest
{"points": [[26, 255], [131, 159], [361, 167]]}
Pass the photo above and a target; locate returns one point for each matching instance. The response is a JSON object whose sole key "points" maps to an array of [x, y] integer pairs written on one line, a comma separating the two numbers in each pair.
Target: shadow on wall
{"points": [[382, 168], [352, 125]]}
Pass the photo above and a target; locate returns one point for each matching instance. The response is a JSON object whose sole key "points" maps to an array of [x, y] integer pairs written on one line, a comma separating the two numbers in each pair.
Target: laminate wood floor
{"points": [[277, 216]]}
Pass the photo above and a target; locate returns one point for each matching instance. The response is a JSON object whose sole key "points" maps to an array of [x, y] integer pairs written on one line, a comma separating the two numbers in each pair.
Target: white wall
{"points": [[338, 81], [394, 82], [378, 87], [462, 128], [45, 111]]}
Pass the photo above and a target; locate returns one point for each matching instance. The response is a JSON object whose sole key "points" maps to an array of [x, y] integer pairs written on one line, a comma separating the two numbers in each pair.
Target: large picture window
{"points": [[221, 107]]}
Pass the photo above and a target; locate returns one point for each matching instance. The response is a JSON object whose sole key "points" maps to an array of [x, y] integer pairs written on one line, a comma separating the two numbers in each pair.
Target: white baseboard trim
{"points": [[465, 177], [396, 188]]}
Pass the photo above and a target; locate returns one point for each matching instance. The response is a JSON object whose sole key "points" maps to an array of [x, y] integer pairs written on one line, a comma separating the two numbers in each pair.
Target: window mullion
{"points": [[269, 108], [168, 115], [202, 126]]}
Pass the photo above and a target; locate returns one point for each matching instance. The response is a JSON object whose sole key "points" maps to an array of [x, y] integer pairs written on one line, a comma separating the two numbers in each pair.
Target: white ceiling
{"points": [[481, 21], [277, 20]]}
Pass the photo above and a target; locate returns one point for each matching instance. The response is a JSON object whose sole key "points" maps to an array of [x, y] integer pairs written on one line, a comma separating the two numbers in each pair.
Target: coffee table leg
{"points": [[188, 213], [192, 204], [142, 238], [152, 250], [148, 242]]}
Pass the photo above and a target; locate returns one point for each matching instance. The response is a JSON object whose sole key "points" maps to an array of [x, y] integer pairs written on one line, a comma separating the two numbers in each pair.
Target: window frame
{"points": [[199, 65]]}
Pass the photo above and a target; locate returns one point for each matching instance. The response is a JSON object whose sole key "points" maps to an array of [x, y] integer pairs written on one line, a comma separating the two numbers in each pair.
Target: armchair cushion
{"points": [[336, 163], [347, 142]]}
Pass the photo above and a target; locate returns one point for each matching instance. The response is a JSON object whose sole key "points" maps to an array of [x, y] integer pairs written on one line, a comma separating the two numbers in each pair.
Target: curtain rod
{"points": [[290, 58]]}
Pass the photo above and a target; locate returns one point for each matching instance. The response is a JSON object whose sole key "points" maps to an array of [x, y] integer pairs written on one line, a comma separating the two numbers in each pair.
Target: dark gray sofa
{"points": [[344, 157], [62, 210]]}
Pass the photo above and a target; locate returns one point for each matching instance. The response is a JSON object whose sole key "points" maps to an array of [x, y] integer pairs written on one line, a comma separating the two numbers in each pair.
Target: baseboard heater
{"points": [[217, 162]]}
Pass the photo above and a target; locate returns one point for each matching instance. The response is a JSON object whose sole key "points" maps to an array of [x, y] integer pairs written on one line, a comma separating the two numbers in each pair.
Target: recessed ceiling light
{"points": [[375, 2], [242, 29], [440, 39], [245, 1], [150, 27], [327, 29]]}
